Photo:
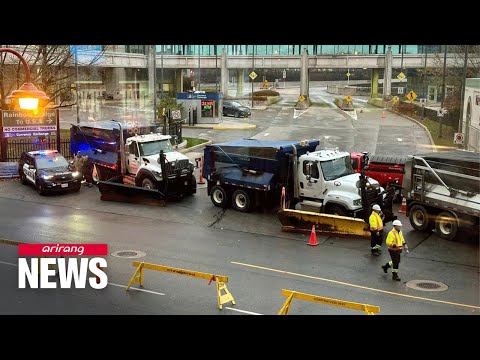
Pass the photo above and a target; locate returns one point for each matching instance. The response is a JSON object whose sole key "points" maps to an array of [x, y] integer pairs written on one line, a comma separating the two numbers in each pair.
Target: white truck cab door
{"points": [[309, 179], [133, 158]]}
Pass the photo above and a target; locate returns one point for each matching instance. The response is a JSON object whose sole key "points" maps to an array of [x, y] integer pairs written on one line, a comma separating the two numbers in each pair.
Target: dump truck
{"points": [[388, 170], [250, 173], [442, 192], [132, 162]]}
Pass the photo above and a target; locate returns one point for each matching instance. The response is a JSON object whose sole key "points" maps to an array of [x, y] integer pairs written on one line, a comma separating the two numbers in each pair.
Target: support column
{"points": [[374, 84], [151, 61], [224, 74], [240, 77], [387, 76], [304, 83], [179, 80]]}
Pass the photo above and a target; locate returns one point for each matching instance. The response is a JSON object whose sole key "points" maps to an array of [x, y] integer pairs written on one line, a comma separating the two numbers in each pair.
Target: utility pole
{"points": [[462, 98], [443, 89], [161, 73], [253, 68], [77, 84]]}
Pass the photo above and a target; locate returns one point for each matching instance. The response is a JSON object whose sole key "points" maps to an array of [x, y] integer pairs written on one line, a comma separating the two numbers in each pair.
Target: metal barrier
{"points": [[220, 280], [369, 309]]}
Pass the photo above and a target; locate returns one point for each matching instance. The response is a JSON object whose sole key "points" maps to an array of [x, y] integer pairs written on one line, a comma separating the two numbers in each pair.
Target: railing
{"points": [[15, 147]]}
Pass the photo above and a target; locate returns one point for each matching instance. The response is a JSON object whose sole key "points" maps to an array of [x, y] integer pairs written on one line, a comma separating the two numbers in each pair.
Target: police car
{"points": [[48, 170]]}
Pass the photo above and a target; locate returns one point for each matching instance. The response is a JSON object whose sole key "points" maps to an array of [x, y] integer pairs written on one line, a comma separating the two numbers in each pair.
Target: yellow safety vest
{"points": [[375, 221], [395, 237]]}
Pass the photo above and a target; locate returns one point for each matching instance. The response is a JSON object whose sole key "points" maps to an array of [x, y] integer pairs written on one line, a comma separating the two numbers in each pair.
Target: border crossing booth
{"points": [[202, 107]]}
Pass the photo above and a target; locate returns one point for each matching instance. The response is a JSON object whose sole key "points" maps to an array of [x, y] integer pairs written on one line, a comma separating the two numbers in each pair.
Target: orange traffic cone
{"points": [[313, 237], [403, 207], [200, 179]]}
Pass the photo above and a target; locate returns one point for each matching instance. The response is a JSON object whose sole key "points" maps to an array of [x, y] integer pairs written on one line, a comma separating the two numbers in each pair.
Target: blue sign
{"points": [[88, 54], [199, 96]]}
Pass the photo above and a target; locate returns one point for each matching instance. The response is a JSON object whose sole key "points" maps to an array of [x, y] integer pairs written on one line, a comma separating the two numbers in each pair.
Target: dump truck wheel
{"points": [[147, 183], [419, 218], [241, 201], [446, 225], [218, 195], [337, 210]]}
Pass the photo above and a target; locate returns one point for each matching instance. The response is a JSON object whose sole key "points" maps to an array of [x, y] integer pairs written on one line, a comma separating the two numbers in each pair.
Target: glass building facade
{"points": [[284, 49]]}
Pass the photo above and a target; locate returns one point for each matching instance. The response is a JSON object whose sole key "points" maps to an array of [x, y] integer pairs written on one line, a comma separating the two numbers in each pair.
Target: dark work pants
{"points": [[395, 256], [376, 240]]}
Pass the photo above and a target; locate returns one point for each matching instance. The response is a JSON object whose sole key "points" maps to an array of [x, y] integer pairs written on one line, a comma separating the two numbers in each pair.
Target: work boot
{"points": [[395, 277], [375, 252], [385, 267]]}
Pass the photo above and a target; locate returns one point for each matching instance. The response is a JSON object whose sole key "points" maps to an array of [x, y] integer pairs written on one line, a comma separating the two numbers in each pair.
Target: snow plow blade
{"points": [[111, 191], [325, 224]]}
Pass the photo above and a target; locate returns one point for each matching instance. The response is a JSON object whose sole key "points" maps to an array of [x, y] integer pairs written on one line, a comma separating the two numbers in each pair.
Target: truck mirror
{"points": [[308, 177], [308, 170]]}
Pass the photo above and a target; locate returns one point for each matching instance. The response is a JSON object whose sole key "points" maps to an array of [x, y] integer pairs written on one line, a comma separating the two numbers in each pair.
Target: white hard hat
{"points": [[396, 223], [376, 207]]}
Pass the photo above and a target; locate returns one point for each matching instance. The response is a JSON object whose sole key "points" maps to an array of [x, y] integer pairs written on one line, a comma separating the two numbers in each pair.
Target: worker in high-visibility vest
{"points": [[376, 230], [396, 243]]}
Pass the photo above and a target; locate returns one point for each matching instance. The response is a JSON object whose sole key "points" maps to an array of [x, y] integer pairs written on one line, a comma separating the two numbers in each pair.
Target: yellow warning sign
{"points": [[253, 75], [395, 99], [411, 95], [301, 98], [348, 98], [401, 76]]}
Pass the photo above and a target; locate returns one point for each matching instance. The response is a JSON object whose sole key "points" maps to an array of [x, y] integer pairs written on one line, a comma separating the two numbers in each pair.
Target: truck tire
{"points": [[241, 201], [337, 210], [446, 225], [192, 186], [148, 183], [419, 218], [218, 195]]}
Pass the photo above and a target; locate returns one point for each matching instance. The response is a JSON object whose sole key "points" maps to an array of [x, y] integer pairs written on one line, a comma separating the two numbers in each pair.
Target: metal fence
{"points": [[15, 147]]}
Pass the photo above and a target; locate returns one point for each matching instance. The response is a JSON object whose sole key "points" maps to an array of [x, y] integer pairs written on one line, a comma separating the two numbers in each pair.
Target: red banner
{"points": [[56, 250]]}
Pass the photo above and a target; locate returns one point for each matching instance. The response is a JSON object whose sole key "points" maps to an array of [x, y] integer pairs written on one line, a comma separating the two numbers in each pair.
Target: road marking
{"points": [[399, 139], [243, 311], [137, 289], [356, 286], [266, 134], [7, 263], [329, 102], [295, 113]]}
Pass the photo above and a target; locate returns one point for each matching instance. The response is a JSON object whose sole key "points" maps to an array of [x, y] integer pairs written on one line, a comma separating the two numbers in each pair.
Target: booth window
{"points": [[208, 108]]}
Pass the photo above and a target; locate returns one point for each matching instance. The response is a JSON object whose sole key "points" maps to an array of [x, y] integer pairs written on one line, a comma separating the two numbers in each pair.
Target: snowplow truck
{"points": [[251, 173], [442, 192], [124, 160]]}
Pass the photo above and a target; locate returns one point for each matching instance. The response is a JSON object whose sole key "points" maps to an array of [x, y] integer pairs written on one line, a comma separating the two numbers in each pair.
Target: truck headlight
{"points": [[357, 202], [46, 177], [75, 173]]}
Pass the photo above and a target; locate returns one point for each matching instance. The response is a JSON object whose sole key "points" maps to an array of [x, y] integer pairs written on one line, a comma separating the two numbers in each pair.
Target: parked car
{"points": [[234, 108], [48, 170]]}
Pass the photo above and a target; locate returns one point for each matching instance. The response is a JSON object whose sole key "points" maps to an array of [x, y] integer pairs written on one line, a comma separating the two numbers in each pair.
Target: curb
{"points": [[221, 127], [11, 242], [184, 151], [420, 124], [414, 120]]}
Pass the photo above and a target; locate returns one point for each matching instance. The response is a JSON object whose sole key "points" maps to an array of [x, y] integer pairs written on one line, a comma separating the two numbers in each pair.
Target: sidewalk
{"points": [[224, 125], [8, 170]]}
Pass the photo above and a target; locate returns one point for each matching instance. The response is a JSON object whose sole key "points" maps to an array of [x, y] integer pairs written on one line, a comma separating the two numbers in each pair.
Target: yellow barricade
{"points": [[369, 309], [219, 279]]}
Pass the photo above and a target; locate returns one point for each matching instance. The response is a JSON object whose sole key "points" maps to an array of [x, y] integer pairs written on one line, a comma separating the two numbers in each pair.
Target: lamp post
{"points": [[27, 96]]}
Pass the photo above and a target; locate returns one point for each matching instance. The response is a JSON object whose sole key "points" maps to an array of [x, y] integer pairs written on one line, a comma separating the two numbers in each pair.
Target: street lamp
{"points": [[28, 97]]}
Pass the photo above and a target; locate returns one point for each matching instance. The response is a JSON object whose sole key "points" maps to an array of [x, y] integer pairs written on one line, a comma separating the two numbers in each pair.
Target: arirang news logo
{"points": [[41, 265]]}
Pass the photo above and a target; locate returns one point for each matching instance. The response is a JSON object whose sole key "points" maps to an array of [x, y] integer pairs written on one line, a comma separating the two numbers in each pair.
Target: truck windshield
{"points": [[154, 147], [333, 169]]}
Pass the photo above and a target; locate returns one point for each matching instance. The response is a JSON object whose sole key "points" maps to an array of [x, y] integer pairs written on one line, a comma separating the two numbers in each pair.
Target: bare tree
{"points": [[454, 75], [52, 70]]}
